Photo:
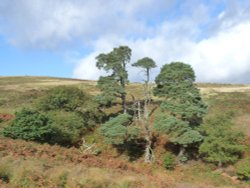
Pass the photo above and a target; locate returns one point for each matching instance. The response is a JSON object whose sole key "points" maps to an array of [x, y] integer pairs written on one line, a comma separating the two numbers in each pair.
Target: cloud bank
{"points": [[211, 36]]}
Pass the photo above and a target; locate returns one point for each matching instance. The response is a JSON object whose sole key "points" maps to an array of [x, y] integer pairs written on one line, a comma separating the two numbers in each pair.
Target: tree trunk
{"points": [[181, 153], [219, 164], [149, 156], [124, 107], [123, 96]]}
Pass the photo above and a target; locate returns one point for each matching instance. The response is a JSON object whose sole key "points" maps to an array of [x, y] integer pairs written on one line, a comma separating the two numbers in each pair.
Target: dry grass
{"points": [[34, 165]]}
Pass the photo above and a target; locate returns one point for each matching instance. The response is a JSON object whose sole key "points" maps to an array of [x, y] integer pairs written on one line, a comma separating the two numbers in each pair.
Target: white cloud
{"points": [[50, 24], [224, 57], [215, 43]]}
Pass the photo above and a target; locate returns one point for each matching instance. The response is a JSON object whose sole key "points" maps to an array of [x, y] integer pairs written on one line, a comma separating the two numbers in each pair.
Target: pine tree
{"points": [[182, 108], [146, 64], [113, 86]]}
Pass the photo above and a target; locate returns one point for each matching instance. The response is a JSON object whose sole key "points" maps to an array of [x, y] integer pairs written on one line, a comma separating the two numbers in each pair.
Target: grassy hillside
{"points": [[28, 164]]}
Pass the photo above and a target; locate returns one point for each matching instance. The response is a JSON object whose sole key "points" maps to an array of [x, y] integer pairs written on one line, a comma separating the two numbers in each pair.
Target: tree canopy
{"points": [[113, 86], [147, 64], [182, 108]]}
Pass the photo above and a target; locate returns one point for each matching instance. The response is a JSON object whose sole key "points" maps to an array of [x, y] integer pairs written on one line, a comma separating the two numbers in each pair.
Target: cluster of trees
{"points": [[181, 115], [65, 114]]}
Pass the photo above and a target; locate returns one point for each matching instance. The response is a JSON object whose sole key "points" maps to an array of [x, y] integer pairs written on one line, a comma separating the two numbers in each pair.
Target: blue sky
{"points": [[61, 38]]}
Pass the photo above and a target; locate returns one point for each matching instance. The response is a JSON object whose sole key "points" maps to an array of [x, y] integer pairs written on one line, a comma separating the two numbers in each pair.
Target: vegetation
{"points": [[68, 127], [243, 169], [126, 123], [169, 161], [113, 86], [222, 144], [30, 125], [67, 98], [182, 108], [118, 130]]}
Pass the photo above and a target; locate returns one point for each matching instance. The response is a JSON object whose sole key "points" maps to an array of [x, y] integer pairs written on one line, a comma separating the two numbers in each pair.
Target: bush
{"points": [[68, 98], [68, 127], [169, 161], [222, 144], [243, 169], [30, 125]]}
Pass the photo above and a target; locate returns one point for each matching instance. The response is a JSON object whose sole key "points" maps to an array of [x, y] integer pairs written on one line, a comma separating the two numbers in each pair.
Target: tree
{"points": [[222, 143], [182, 108], [147, 64], [123, 128], [114, 62]]}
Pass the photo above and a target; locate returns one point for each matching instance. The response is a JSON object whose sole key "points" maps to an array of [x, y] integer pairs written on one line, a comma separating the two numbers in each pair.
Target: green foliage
{"points": [[115, 61], [91, 113], [172, 78], [146, 63], [113, 86], [222, 144], [243, 169], [30, 125], [169, 161], [117, 130], [110, 88], [68, 127], [179, 131], [68, 98], [183, 108]]}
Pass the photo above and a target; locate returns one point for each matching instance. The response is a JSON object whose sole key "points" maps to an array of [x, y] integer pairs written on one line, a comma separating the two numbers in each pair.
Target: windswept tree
{"points": [[146, 64], [182, 108], [113, 86], [124, 128]]}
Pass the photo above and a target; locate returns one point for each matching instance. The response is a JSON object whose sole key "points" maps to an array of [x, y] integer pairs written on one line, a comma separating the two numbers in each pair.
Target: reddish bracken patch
{"points": [[6, 117]]}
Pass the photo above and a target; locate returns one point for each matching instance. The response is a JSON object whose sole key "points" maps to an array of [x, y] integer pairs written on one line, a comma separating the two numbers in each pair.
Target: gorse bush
{"points": [[68, 127], [68, 98], [30, 125], [243, 169], [64, 114], [169, 161]]}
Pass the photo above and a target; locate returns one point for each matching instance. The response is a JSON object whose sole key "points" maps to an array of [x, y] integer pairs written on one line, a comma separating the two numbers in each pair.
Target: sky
{"points": [[61, 38]]}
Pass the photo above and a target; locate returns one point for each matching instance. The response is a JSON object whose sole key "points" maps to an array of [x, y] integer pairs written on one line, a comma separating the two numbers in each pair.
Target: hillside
{"points": [[31, 164]]}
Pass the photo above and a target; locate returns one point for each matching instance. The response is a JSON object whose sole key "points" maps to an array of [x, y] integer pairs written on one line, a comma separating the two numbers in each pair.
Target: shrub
{"points": [[222, 144], [62, 97], [169, 161], [68, 127], [243, 169], [30, 125]]}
